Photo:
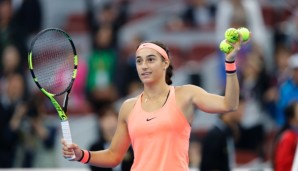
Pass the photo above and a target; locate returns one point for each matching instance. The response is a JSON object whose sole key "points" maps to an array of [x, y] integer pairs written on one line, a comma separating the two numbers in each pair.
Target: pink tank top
{"points": [[160, 139]]}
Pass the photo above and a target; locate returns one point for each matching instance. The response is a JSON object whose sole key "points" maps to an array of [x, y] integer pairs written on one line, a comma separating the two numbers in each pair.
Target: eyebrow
{"points": [[151, 55]]}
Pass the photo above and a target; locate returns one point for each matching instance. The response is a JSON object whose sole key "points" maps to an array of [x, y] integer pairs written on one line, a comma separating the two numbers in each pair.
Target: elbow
{"points": [[232, 107], [116, 160], [113, 163]]}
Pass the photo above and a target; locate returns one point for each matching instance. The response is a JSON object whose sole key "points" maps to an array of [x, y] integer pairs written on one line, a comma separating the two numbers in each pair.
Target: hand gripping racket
{"points": [[53, 63]]}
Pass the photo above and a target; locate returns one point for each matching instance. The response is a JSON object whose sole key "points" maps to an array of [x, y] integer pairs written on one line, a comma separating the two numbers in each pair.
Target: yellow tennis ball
{"points": [[244, 33], [225, 47], [232, 35]]}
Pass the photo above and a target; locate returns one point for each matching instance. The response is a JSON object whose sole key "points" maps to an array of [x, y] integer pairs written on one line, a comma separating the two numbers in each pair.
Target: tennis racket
{"points": [[53, 63]]}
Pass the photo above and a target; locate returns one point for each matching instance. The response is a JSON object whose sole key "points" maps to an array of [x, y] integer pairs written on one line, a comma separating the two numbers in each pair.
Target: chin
{"points": [[147, 81]]}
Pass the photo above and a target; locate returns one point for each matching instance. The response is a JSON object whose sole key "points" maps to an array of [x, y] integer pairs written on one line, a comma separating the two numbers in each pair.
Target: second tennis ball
{"points": [[225, 47], [232, 35], [244, 33]]}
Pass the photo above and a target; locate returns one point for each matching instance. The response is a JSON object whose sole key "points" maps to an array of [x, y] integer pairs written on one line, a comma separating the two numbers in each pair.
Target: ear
{"points": [[166, 64]]}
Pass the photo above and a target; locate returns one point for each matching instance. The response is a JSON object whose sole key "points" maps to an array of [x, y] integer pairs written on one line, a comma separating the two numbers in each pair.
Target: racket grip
{"points": [[67, 135]]}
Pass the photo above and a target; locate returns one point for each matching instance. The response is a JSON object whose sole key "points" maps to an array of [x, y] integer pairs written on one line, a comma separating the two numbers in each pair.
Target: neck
{"points": [[155, 90]]}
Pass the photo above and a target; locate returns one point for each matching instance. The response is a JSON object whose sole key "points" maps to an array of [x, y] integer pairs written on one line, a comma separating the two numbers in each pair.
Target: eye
{"points": [[138, 61], [150, 59]]}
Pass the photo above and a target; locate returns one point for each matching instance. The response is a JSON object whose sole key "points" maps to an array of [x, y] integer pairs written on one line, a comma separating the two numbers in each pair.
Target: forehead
{"points": [[145, 52]]}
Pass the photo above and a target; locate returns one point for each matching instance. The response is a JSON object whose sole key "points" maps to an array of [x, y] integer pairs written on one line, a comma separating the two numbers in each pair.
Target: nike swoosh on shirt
{"points": [[149, 119]]}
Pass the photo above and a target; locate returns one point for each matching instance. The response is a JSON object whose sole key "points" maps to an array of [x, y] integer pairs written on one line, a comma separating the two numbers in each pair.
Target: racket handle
{"points": [[67, 135]]}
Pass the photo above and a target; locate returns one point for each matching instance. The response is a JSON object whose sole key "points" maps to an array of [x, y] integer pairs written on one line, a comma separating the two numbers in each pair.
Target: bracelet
{"points": [[230, 67], [85, 157], [82, 156]]}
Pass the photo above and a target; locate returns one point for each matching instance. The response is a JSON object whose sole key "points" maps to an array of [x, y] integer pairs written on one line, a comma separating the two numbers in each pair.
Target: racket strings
{"points": [[52, 58]]}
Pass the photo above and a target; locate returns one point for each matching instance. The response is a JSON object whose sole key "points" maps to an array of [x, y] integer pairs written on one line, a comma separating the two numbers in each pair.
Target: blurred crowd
{"points": [[267, 67]]}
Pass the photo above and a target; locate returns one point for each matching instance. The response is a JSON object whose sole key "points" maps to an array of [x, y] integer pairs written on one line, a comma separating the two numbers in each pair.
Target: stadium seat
{"points": [[200, 51], [76, 23]]}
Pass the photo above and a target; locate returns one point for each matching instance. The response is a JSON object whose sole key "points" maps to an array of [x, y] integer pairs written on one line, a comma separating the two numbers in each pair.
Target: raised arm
{"points": [[213, 103], [112, 156]]}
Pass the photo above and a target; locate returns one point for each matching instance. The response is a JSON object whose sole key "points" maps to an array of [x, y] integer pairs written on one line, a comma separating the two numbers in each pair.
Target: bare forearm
{"points": [[232, 84], [232, 91], [104, 158]]}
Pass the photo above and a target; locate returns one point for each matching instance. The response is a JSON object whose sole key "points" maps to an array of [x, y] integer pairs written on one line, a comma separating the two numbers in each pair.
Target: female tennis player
{"points": [[157, 122]]}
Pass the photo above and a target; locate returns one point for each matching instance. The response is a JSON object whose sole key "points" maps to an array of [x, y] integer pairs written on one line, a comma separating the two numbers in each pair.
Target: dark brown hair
{"points": [[106, 109], [290, 111], [169, 72]]}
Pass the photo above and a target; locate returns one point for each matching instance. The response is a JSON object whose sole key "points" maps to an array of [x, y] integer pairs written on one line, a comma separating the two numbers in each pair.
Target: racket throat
{"points": [[65, 102], [58, 108]]}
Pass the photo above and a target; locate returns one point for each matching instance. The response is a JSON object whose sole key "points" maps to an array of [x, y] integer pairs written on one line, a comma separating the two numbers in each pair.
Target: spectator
{"points": [[287, 31], [11, 60], [199, 14], [287, 140], [102, 67], [11, 109], [282, 55], [288, 91], [254, 81], [218, 145], [279, 75], [5, 21], [107, 122], [27, 17], [111, 14], [36, 144]]}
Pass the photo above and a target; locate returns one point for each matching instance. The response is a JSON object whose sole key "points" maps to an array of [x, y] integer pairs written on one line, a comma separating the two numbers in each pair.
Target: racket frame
{"points": [[60, 110]]}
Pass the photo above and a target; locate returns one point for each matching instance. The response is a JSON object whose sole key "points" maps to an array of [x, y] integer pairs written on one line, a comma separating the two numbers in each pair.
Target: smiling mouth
{"points": [[146, 73]]}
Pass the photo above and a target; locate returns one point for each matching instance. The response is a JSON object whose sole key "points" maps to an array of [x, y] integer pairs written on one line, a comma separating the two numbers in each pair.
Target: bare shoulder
{"points": [[189, 95], [127, 107], [188, 89], [129, 103]]}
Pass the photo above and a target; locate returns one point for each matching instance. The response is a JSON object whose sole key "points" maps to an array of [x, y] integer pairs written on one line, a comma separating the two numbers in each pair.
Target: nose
{"points": [[144, 65]]}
